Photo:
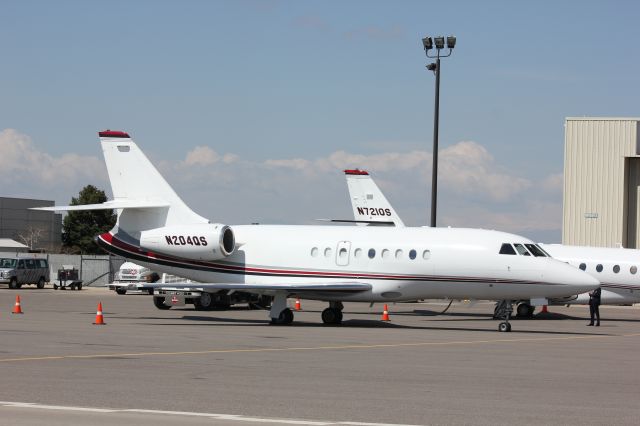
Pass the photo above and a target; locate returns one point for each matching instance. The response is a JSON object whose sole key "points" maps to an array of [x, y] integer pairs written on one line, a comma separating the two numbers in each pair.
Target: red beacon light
{"points": [[356, 172], [113, 134]]}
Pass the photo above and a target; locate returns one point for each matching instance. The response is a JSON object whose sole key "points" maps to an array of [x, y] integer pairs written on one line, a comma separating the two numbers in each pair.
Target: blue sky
{"points": [[274, 89]]}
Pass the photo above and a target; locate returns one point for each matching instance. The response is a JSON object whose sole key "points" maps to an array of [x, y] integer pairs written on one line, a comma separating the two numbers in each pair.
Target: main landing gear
{"points": [[333, 314], [503, 310], [280, 314]]}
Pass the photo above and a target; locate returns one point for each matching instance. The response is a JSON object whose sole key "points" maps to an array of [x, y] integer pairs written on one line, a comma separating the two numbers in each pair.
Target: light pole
{"points": [[428, 44]]}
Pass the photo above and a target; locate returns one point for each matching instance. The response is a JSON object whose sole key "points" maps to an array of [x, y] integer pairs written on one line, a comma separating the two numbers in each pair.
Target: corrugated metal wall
{"points": [[595, 193], [95, 270]]}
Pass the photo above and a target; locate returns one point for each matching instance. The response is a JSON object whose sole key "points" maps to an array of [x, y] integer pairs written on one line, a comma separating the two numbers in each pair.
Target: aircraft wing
{"points": [[293, 288]]}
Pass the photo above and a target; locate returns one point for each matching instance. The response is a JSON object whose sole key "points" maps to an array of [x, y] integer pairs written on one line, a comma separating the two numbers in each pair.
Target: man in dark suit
{"points": [[594, 306]]}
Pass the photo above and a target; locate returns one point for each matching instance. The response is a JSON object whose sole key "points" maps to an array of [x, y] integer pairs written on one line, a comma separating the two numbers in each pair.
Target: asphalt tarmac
{"points": [[147, 366]]}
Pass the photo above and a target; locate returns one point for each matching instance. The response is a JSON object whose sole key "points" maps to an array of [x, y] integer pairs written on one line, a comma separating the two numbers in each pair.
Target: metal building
{"points": [[40, 230], [601, 182]]}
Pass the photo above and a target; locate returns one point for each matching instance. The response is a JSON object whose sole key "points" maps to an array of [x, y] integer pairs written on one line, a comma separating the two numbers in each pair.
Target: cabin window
{"points": [[426, 255], [358, 253], [342, 253], [372, 253], [385, 254], [583, 266], [412, 254], [599, 267], [521, 250], [327, 252], [398, 254], [314, 252], [535, 250], [507, 249], [633, 269], [616, 269]]}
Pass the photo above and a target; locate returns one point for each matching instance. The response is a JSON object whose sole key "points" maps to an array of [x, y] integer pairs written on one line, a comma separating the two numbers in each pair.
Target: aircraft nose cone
{"points": [[583, 282]]}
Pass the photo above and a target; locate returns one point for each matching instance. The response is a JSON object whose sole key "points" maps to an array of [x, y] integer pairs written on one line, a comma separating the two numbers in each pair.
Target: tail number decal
{"points": [[373, 211], [181, 240]]}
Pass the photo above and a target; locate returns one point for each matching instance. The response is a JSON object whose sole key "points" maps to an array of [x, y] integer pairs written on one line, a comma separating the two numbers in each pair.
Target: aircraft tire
{"points": [[504, 327], [121, 290], [332, 316], [285, 318]]}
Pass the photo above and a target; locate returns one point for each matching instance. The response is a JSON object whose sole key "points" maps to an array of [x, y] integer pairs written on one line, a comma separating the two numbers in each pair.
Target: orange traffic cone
{"points": [[16, 308], [544, 310], [385, 313], [298, 307], [99, 317]]}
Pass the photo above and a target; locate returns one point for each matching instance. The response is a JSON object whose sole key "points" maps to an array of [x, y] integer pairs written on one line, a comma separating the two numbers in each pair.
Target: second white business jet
{"points": [[615, 268], [155, 228]]}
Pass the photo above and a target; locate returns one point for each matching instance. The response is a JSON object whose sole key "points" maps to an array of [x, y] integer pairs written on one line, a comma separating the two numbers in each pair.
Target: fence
{"points": [[94, 270]]}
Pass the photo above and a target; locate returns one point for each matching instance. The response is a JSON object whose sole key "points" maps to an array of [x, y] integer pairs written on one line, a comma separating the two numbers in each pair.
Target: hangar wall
{"points": [[601, 182]]}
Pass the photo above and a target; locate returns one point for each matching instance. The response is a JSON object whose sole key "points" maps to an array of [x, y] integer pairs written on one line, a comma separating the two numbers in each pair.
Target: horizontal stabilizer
{"points": [[366, 222], [109, 205]]}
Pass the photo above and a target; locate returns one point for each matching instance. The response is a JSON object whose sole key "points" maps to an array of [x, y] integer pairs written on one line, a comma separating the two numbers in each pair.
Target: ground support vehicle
{"points": [[132, 277], [166, 297], [67, 277]]}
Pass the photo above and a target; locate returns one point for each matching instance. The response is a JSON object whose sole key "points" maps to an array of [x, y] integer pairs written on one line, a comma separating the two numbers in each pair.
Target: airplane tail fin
{"points": [[368, 202], [141, 195]]}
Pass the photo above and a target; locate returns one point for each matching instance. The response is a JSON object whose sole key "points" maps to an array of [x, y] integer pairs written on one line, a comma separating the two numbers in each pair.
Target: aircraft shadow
{"points": [[192, 320]]}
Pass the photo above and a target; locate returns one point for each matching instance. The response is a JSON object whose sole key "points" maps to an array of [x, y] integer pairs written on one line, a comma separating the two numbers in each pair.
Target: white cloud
{"points": [[25, 166], [553, 183], [205, 156], [467, 167]]}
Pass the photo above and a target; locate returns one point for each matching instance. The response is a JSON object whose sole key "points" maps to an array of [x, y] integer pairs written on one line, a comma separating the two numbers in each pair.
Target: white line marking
{"points": [[230, 417]]}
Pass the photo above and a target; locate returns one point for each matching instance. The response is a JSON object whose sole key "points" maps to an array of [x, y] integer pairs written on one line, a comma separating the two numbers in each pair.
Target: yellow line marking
{"points": [[316, 348]]}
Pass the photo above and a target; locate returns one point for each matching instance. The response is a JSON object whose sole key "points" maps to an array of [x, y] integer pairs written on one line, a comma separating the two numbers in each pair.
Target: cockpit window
{"points": [[535, 250], [521, 250], [507, 249], [543, 250]]}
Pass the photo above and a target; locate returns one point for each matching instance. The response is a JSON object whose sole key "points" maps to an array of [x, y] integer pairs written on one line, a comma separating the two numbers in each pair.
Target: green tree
{"points": [[79, 228]]}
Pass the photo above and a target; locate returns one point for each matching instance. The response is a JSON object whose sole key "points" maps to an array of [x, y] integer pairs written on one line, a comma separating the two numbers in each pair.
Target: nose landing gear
{"points": [[503, 310]]}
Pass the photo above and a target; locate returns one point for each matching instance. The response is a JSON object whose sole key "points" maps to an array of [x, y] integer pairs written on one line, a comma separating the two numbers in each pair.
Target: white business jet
{"points": [[615, 268], [155, 228]]}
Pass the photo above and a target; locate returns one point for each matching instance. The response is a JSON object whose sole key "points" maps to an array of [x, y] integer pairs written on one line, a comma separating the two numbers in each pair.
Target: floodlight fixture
{"points": [[451, 42], [427, 43], [439, 41]]}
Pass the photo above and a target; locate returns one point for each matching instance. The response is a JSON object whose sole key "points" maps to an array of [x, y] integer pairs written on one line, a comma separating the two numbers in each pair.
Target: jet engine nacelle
{"points": [[211, 241]]}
